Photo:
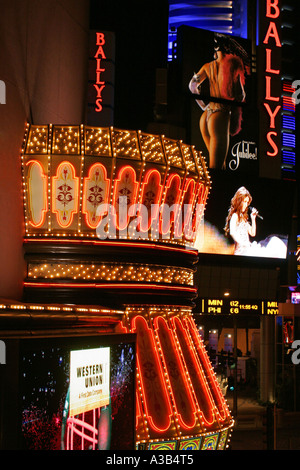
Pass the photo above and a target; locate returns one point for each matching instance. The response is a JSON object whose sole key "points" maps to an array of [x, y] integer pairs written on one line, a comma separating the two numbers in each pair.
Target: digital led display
{"points": [[227, 306], [217, 68], [78, 393], [89, 380], [246, 216]]}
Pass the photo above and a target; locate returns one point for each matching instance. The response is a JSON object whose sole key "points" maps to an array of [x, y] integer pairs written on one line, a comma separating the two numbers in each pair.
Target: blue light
{"points": [[288, 122], [288, 157], [227, 17], [288, 140]]}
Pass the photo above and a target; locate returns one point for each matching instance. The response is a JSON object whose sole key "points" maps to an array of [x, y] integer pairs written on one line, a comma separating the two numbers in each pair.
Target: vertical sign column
{"points": [[269, 87], [101, 80]]}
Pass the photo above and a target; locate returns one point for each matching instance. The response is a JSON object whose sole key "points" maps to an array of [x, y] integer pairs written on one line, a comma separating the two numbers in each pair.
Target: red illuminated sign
{"points": [[271, 40], [270, 62], [100, 97], [100, 83]]}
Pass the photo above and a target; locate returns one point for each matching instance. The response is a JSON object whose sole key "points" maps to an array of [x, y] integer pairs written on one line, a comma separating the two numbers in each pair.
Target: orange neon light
{"points": [[268, 91], [201, 201], [98, 185], [63, 194], [196, 374], [210, 375], [100, 84], [152, 182], [189, 195], [179, 387], [109, 285], [271, 39], [272, 33], [268, 63], [272, 114], [146, 245], [272, 8], [172, 197], [154, 392], [33, 197], [272, 143]]}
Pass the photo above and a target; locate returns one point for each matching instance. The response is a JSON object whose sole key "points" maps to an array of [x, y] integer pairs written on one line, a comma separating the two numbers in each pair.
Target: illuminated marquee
{"points": [[179, 402], [107, 183]]}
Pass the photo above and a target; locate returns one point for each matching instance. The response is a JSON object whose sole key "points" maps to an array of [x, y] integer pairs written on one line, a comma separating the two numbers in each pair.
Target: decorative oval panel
{"points": [[65, 187], [125, 195], [170, 203], [37, 193], [95, 192], [151, 195], [184, 219]]}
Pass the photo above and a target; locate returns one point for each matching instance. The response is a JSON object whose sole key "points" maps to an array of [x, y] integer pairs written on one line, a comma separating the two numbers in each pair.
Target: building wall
{"points": [[43, 64]]}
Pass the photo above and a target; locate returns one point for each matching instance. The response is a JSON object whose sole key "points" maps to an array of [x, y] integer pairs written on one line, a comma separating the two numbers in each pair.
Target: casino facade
{"points": [[102, 218]]}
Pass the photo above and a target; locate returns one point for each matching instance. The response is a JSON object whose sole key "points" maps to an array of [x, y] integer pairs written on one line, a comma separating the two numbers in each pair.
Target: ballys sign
{"points": [[269, 79]]}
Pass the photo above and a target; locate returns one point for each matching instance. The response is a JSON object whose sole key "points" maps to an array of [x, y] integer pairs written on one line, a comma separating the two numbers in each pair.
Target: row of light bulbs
{"points": [[166, 312], [175, 432], [110, 272], [128, 144]]}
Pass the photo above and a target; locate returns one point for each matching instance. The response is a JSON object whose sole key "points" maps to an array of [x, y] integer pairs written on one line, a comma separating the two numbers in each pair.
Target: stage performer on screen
{"points": [[226, 78], [240, 228]]}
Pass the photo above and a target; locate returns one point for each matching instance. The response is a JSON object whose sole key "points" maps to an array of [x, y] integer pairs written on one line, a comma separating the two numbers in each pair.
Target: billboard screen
{"points": [[78, 393], [89, 380], [223, 121], [246, 216]]}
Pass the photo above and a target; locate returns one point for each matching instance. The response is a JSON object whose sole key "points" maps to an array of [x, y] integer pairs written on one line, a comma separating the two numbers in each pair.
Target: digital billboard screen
{"points": [[78, 393], [246, 216], [223, 120]]}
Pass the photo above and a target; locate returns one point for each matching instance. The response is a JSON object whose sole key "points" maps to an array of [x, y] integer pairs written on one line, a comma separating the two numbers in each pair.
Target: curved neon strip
{"points": [[155, 395], [201, 200], [182, 397], [165, 228], [113, 285], [111, 243], [157, 198], [210, 375], [44, 192], [82, 424], [188, 199], [200, 387]]}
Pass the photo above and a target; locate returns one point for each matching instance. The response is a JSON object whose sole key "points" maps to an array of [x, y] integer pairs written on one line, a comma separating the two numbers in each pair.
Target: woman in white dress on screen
{"points": [[240, 228]]}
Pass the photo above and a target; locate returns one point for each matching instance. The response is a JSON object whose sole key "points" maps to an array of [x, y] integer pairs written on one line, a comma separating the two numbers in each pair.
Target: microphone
{"points": [[258, 215]]}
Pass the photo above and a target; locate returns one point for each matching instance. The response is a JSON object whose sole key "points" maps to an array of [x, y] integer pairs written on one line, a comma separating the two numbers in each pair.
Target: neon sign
{"points": [[101, 77], [272, 71], [100, 83], [271, 45]]}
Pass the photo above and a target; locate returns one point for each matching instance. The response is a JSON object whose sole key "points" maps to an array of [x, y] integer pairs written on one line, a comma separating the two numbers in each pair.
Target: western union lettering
{"points": [[89, 370], [94, 380]]}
